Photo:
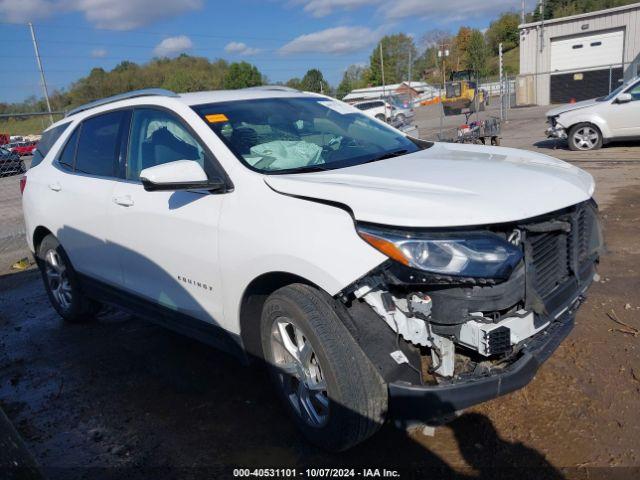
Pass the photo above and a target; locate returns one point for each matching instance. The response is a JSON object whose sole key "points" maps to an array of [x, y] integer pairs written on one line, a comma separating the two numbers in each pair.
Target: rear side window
{"points": [[68, 155], [98, 145], [46, 142]]}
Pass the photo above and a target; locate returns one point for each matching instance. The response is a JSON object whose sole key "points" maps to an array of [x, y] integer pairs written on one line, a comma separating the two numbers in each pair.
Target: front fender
{"points": [[570, 119]]}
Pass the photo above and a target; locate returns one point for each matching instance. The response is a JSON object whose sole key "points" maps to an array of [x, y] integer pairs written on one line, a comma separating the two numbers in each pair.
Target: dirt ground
{"points": [[120, 398]]}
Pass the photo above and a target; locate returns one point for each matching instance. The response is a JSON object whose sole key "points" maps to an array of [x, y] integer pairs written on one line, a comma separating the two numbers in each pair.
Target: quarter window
{"points": [[97, 150], [46, 142], [158, 137]]}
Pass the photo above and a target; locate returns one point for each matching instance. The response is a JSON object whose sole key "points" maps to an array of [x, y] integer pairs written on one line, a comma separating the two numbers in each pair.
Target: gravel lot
{"points": [[120, 397]]}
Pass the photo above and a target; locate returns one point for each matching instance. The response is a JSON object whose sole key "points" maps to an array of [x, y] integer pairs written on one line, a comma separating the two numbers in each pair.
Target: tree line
{"points": [[405, 58]]}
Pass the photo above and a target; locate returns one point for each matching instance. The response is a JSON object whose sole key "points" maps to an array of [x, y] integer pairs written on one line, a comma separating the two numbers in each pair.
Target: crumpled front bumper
{"points": [[556, 131], [411, 403]]}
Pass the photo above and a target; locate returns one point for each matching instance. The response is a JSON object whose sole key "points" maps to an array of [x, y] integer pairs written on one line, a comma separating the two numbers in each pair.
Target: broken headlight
{"points": [[472, 254]]}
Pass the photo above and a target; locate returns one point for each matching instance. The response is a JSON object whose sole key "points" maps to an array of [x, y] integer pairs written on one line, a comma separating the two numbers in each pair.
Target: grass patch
{"points": [[26, 125]]}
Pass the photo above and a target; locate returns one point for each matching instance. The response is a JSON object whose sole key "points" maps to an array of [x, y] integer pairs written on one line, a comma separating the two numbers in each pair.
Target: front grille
{"points": [[550, 261], [557, 255]]}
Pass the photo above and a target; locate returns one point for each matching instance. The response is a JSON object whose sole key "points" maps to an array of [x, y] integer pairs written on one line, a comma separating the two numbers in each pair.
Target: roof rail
{"points": [[147, 92], [274, 88]]}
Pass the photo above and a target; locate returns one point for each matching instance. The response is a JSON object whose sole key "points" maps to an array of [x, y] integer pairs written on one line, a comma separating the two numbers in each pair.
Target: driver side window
{"points": [[158, 137], [635, 91]]}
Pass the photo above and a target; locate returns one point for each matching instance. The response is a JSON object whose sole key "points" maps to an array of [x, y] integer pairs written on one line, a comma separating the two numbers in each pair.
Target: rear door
{"points": [[81, 193]]}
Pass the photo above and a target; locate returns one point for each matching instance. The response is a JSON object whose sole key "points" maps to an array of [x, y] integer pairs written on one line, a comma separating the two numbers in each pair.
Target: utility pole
{"points": [[524, 15], [409, 67], [541, 25], [501, 82], [384, 94], [42, 79]]}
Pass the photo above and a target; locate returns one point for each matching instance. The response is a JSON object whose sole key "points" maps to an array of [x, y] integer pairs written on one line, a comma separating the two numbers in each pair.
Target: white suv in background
{"points": [[379, 109], [375, 275], [590, 124]]}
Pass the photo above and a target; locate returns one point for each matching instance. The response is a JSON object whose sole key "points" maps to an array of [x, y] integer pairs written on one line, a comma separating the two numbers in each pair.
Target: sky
{"points": [[283, 38]]}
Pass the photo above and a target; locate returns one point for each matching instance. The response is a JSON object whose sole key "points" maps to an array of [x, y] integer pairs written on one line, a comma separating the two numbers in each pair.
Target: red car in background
{"points": [[25, 148]]}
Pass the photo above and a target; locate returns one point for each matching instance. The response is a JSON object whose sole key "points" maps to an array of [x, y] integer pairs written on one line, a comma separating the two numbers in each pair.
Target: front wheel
{"points": [[329, 387], [61, 283], [584, 136]]}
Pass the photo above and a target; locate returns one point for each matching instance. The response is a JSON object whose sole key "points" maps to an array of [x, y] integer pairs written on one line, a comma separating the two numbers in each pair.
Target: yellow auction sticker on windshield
{"points": [[216, 118]]}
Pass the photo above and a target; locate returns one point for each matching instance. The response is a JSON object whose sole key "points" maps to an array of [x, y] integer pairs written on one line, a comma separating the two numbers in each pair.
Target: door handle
{"points": [[55, 187], [125, 201]]}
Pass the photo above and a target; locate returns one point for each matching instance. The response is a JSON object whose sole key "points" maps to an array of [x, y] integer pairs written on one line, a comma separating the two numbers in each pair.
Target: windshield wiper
{"points": [[387, 155], [306, 169]]}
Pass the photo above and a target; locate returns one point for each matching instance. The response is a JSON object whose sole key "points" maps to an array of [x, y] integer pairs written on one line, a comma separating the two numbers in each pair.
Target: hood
{"points": [[572, 106], [447, 185]]}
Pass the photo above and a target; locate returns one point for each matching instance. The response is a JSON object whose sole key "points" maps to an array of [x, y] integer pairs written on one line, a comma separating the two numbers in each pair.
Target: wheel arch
{"points": [[252, 303], [596, 121], [38, 235]]}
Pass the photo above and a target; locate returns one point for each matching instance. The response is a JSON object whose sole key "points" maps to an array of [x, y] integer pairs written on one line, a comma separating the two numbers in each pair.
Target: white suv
{"points": [[374, 274], [590, 124]]}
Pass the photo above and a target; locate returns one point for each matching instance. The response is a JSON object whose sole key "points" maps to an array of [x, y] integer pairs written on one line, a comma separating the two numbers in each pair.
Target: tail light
{"points": [[23, 184]]}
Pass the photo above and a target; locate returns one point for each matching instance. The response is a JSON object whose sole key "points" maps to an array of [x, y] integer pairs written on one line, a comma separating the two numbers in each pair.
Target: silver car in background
{"points": [[589, 124]]}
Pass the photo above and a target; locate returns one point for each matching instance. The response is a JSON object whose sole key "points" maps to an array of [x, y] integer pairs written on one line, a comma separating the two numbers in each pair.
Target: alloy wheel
{"points": [[586, 138], [300, 373], [58, 279]]}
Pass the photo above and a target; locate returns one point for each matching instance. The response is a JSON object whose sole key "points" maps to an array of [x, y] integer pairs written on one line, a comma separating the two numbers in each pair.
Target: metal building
{"points": [[578, 57]]}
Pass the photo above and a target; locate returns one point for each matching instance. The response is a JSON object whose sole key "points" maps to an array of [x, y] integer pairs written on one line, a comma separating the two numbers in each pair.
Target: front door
{"points": [[624, 118], [168, 241]]}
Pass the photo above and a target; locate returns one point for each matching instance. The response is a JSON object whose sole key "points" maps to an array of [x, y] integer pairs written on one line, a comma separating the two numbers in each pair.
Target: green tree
{"points": [[397, 50], [242, 75], [313, 81], [294, 83], [504, 30], [477, 53], [354, 77], [563, 8]]}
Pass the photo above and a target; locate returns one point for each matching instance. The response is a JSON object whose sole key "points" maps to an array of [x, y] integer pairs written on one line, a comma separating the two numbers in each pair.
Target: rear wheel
{"points": [[61, 283], [585, 136], [380, 117], [332, 391]]}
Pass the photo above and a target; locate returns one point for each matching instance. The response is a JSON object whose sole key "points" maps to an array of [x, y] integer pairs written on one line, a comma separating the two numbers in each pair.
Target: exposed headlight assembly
{"points": [[472, 254]]}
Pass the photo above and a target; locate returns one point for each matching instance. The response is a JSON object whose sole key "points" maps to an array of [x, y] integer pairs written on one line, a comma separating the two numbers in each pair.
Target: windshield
{"points": [[298, 134]]}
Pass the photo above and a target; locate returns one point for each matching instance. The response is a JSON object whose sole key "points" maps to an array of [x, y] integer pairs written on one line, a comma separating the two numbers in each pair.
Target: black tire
{"points": [[68, 299], [355, 394], [381, 117], [401, 119], [584, 137]]}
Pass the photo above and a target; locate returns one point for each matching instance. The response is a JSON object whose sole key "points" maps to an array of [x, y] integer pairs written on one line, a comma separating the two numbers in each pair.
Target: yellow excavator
{"points": [[462, 94]]}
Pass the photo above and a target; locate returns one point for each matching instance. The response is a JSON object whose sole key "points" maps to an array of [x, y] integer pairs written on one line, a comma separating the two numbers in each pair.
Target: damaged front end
{"points": [[459, 317]]}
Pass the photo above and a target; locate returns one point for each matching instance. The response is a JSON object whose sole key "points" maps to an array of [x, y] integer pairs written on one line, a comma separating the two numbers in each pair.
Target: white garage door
{"points": [[594, 50]]}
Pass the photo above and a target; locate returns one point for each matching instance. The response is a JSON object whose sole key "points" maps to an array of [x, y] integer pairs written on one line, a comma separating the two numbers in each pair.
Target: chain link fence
{"points": [[13, 245]]}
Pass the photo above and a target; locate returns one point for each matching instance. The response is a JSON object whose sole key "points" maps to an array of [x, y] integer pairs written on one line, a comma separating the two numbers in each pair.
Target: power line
{"points": [[146, 32]]}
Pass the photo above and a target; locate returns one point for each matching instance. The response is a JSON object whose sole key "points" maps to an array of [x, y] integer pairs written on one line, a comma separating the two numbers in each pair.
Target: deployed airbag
{"points": [[283, 154]]}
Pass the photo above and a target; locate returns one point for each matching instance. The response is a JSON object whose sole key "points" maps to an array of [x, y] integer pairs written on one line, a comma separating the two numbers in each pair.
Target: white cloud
{"points": [[240, 48], [332, 40], [98, 53], [107, 14], [24, 10], [322, 8], [173, 46], [440, 10]]}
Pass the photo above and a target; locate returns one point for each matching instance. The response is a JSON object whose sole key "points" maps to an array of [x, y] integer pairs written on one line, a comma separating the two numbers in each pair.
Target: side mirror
{"points": [[178, 175], [624, 98]]}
